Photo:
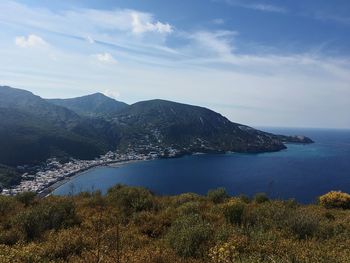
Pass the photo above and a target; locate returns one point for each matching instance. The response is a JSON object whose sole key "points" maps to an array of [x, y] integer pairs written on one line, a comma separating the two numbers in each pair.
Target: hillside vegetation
{"points": [[33, 129], [131, 224]]}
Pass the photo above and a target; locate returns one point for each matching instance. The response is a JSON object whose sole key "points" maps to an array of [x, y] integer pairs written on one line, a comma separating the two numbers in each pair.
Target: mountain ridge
{"points": [[33, 129], [96, 104]]}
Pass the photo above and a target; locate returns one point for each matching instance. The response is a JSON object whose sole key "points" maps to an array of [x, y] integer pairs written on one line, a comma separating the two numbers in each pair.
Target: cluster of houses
{"points": [[53, 171]]}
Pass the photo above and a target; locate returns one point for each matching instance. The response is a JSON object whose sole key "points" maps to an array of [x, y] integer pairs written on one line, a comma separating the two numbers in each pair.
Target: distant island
{"points": [[45, 140]]}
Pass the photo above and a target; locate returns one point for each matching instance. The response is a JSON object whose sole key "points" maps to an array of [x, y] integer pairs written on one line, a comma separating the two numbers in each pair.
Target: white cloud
{"points": [[93, 23], [30, 41], [267, 8], [218, 43], [331, 17], [284, 89], [127, 30], [90, 40], [106, 58], [141, 24], [111, 93], [255, 5]]}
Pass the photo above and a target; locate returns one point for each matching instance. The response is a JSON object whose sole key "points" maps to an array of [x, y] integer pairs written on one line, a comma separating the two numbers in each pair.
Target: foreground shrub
{"points": [[152, 254], [233, 212], [64, 244], [229, 252], [260, 198], [267, 215], [189, 235], [26, 198], [6, 204], [303, 224], [131, 199], [185, 198], [218, 195], [190, 208], [176, 229], [52, 215], [153, 225], [10, 236], [244, 198], [96, 200], [335, 199]]}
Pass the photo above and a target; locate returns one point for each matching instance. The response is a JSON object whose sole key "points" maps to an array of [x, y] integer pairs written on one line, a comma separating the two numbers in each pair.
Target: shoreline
{"points": [[50, 189], [115, 164]]}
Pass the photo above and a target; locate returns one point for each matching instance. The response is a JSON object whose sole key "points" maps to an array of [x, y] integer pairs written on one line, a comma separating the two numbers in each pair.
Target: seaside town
{"points": [[41, 178]]}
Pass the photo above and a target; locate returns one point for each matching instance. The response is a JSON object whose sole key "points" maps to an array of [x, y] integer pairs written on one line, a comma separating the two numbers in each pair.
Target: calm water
{"points": [[302, 172]]}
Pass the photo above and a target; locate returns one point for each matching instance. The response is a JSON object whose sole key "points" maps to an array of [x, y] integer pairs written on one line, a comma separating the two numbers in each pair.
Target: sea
{"points": [[301, 172]]}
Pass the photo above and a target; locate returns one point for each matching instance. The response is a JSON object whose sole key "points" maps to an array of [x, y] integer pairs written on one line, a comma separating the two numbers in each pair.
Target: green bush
{"points": [[26, 198], [303, 224], [291, 203], [233, 212], [131, 199], [218, 195], [152, 225], [189, 208], [223, 233], [184, 198], [268, 215], [96, 199], [50, 215], [6, 204], [10, 236], [244, 198], [260, 198], [335, 199], [189, 235]]}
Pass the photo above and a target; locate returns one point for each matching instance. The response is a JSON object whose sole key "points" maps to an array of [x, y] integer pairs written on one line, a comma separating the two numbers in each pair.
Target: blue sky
{"points": [[261, 63]]}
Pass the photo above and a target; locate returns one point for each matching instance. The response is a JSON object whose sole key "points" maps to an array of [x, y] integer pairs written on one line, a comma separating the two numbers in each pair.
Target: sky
{"points": [[260, 63]]}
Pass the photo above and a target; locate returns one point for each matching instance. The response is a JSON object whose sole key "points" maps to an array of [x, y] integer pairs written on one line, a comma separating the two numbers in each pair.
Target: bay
{"points": [[302, 172]]}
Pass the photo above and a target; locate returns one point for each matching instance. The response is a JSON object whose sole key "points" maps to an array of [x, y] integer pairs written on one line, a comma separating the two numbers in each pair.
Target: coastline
{"points": [[51, 188], [115, 164]]}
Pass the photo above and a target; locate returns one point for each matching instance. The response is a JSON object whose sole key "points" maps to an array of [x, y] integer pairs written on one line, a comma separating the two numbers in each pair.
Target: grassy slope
{"points": [[132, 225]]}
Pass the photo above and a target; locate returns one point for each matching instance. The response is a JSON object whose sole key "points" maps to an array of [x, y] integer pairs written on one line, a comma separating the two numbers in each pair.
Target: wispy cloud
{"points": [[141, 24], [129, 53], [111, 93], [332, 17], [106, 58], [125, 27], [266, 7], [31, 41], [218, 21], [90, 40], [212, 43], [255, 5]]}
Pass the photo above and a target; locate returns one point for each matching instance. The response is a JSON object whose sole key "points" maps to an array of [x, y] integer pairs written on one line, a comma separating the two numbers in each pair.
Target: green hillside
{"points": [[33, 129], [92, 105]]}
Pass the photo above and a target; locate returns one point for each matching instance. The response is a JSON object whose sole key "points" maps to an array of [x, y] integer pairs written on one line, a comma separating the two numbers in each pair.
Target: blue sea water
{"points": [[302, 172]]}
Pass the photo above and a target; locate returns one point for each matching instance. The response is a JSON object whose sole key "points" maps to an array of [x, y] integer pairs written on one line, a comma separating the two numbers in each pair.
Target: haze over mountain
{"points": [[95, 104], [33, 129]]}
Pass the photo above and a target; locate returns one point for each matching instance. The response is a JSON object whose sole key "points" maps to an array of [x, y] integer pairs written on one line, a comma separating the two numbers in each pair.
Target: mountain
{"points": [[189, 128], [33, 130], [91, 105]]}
